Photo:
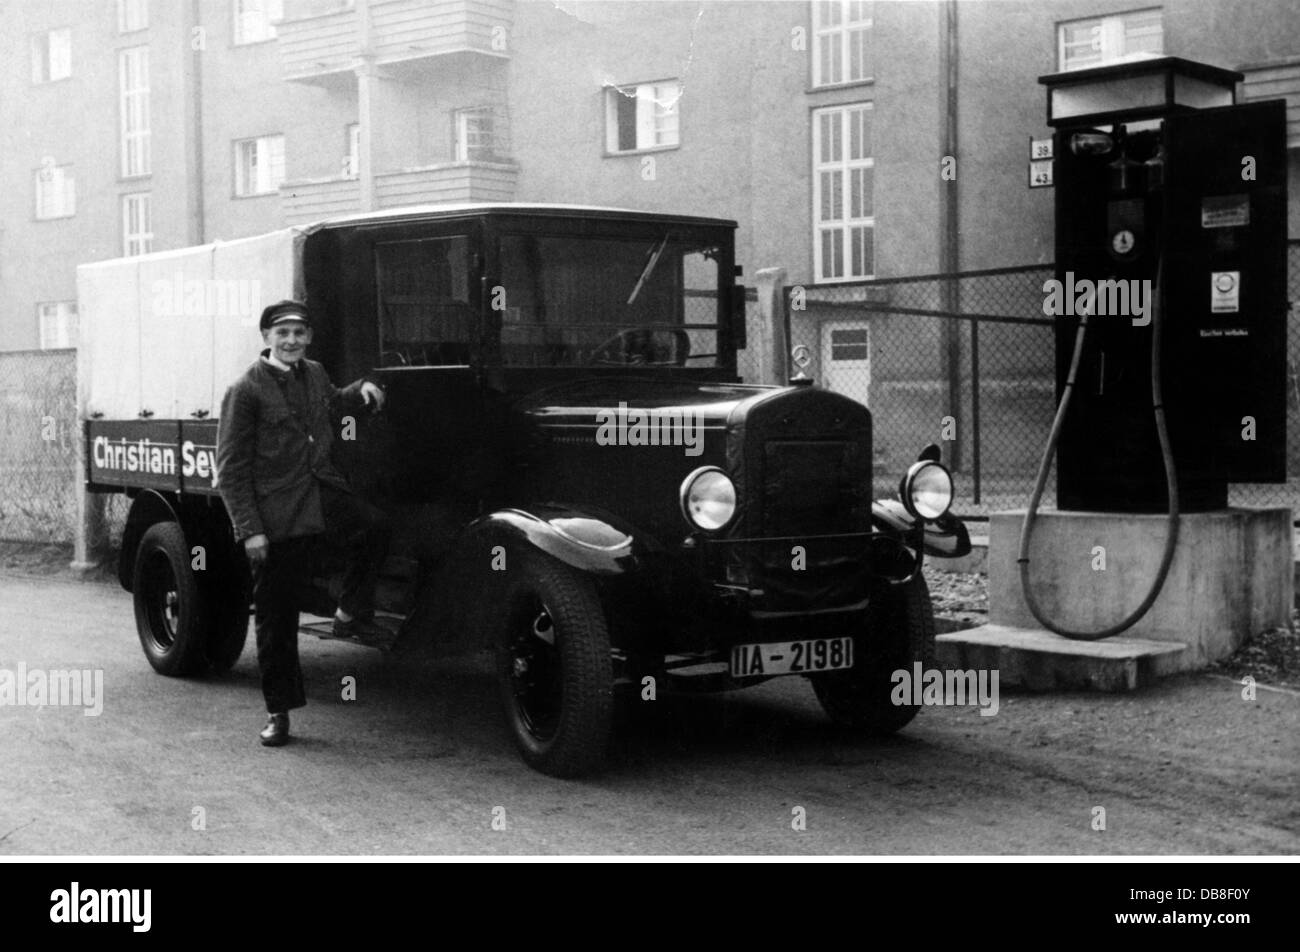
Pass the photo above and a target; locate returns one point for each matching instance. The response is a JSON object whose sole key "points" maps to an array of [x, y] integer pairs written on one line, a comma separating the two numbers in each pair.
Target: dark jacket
{"points": [[270, 463]]}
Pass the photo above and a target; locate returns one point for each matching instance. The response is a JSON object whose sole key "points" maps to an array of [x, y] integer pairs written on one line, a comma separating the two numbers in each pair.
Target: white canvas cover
{"points": [[168, 332]]}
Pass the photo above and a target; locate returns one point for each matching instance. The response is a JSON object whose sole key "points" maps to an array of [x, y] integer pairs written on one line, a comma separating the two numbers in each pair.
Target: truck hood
{"points": [[589, 402]]}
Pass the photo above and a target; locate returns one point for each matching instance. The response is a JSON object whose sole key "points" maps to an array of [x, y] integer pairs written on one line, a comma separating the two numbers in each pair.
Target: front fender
{"points": [[149, 507], [578, 539], [945, 537]]}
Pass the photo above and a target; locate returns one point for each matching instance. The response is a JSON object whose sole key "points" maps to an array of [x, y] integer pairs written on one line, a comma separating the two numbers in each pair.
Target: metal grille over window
{"points": [[482, 134]]}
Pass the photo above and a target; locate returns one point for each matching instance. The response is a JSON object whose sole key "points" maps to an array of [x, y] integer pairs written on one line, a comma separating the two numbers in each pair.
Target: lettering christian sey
{"points": [[666, 427], [155, 459], [1114, 298]]}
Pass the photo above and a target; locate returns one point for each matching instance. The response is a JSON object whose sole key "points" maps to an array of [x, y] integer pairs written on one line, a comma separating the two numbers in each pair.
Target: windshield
{"points": [[570, 301]]}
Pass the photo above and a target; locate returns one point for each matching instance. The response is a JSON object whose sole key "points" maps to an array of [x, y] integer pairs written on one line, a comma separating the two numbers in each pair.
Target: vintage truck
{"points": [[583, 485]]}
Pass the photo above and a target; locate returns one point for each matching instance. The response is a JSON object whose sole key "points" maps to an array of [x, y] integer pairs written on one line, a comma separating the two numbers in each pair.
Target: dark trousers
{"points": [[363, 531], [278, 589]]}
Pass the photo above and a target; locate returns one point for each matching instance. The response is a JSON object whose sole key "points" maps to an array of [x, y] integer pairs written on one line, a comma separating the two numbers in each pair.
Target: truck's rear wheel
{"points": [[554, 667], [900, 632], [228, 626], [169, 604]]}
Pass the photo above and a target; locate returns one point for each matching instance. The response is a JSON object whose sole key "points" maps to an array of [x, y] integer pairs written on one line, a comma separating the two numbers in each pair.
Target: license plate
{"points": [[792, 657]]}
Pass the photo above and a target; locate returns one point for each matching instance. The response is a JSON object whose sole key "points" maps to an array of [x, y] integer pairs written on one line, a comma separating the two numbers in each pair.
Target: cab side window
{"points": [[426, 315]]}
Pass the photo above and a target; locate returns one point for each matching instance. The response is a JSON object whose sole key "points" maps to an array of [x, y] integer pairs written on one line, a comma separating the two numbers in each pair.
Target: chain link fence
{"points": [[38, 413], [967, 361], [38, 450]]}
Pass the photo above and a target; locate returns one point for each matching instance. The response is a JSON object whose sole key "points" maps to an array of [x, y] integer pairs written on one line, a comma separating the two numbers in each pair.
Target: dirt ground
{"points": [[420, 763]]}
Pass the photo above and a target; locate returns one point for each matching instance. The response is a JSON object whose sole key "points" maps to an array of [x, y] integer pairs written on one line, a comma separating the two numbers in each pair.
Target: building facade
{"points": [[850, 139]]}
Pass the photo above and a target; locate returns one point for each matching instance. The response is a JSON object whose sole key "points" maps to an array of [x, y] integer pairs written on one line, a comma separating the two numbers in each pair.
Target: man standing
{"points": [[282, 492]]}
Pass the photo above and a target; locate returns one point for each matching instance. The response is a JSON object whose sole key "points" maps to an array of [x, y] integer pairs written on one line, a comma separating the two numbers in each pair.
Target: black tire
{"points": [[554, 666], [170, 609], [900, 632], [227, 596]]}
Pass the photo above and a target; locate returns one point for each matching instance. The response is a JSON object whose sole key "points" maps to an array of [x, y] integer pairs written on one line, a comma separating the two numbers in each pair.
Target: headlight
{"points": [[926, 490], [708, 498]]}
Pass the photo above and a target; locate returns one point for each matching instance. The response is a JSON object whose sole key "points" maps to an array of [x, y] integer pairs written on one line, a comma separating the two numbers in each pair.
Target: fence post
{"points": [[976, 461], [773, 348], [89, 531]]}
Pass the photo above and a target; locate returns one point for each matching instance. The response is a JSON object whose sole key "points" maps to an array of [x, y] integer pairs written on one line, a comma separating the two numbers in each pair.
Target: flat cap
{"points": [[282, 311]]}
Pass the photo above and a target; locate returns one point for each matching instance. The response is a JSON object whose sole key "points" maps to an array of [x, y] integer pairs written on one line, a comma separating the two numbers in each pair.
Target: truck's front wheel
{"points": [[169, 604], [900, 632], [554, 666]]}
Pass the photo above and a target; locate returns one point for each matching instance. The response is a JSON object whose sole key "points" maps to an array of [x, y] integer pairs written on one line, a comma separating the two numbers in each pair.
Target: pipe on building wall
{"points": [[197, 224], [949, 219], [366, 80]]}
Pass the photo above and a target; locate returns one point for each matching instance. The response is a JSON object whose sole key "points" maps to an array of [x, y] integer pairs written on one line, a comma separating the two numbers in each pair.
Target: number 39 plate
{"points": [[791, 657]]}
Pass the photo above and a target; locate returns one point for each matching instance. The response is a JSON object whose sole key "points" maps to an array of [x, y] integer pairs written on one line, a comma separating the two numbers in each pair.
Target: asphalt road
{"points": [[419, 763]]}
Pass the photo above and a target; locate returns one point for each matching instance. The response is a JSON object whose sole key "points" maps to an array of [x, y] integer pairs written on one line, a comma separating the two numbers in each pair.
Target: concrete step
{"points": [[1042, 661]]}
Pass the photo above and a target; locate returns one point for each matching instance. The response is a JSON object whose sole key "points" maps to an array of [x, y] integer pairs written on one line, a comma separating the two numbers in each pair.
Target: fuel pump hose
{"points": [[1171, 479]]}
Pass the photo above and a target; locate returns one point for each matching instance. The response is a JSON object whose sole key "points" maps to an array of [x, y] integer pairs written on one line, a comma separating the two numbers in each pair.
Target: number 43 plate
{"points": [[791, 657]]}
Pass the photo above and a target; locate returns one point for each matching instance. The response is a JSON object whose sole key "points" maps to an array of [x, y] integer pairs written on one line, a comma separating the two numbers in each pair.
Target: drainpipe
{"points": [[197, 226], [366, 80], [949, 220]]}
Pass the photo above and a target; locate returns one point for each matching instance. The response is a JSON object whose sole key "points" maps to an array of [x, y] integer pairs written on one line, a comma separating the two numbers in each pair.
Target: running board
{"points": [[324, 628]]}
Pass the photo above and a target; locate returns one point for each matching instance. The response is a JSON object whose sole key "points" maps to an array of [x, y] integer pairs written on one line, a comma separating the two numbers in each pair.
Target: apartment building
{"points": [[850, 139]]}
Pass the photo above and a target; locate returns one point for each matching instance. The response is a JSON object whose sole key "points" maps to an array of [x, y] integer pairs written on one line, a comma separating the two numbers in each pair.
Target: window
{"points": [[255, 20], [132, 15], [843, 213], [137, 226], [133, 81], [650, 301], [850, 344], [1085, 43], [841, 41], [52, 56], [426, 314], [56, 191], [57, 324], [352, 158], [259, 165], [480, 135], [642, 117]]}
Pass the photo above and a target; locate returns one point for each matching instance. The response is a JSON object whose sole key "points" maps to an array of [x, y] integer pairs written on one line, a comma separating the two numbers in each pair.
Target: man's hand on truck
{"points": [[257, 547]]}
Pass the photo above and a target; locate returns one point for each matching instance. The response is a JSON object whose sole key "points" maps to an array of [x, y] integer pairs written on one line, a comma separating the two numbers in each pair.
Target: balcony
{"points": [[309, 200], [320, 47], [313, 200]]}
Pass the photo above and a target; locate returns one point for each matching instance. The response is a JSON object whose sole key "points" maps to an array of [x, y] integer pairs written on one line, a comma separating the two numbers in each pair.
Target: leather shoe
{"points": [[276, 731]]}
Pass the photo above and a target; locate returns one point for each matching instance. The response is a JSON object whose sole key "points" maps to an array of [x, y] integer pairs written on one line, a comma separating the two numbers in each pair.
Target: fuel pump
{"points": [[1169, 295]]}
